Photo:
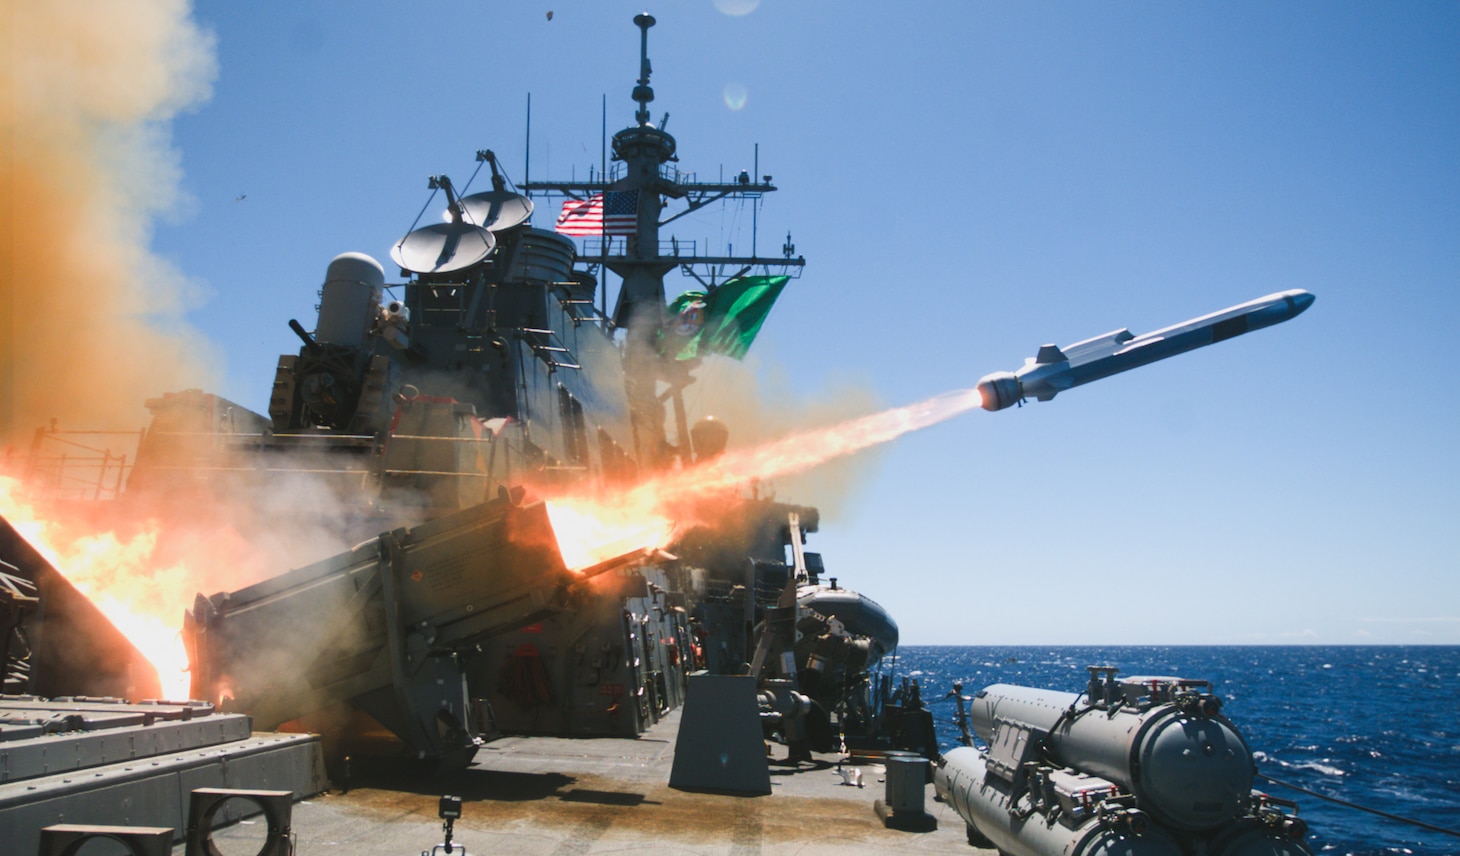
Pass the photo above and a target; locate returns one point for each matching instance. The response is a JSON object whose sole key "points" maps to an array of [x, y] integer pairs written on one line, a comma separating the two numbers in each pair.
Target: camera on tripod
{"points": [[449, 812]]}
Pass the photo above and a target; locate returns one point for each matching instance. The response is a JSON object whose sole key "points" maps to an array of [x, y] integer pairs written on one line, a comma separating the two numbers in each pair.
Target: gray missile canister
{"points": [[1158, 738], [1144, 766], [1000, 816]]}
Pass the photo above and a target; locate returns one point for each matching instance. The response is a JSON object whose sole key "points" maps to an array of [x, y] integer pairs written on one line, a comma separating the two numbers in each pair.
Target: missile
{"points": [[1054, 370]]}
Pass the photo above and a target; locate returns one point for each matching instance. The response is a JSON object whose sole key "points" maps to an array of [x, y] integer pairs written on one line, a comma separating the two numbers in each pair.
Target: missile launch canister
{"points": [[1139, 766], [1054, 370]]}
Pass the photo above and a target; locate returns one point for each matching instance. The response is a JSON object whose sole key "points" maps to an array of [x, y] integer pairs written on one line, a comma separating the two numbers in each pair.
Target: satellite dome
{"points": [[349, 299], [356, 267]]}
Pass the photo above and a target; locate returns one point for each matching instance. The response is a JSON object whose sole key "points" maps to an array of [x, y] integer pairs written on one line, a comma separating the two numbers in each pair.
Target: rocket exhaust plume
{"points": [[646, 511], [90, 320], [803, 450], [142, 560], [647, 515], [114, 569]]}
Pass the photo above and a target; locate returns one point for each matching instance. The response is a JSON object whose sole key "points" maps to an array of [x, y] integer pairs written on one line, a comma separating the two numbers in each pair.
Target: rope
{"points": [[418, 218], [1345, 803], [473, 177]]}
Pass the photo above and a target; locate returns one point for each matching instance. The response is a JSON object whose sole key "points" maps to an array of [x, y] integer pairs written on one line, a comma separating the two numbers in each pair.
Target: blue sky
{"points": [[967, 181]]}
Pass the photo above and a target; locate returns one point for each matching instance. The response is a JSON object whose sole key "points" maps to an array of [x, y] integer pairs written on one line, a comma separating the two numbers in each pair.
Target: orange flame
{"points": [[144, 590], [591, 530], [116, 572]]}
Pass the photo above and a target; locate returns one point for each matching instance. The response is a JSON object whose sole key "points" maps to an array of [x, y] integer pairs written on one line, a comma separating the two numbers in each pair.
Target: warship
{"points": [[561, 609]]}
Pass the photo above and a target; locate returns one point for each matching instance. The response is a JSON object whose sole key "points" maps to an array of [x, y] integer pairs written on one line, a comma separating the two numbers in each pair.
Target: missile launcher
{"points": [[386, 626]]}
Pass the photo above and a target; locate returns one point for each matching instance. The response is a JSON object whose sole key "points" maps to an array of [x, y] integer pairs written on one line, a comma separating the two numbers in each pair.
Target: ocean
{"points": [[1378, 726]]}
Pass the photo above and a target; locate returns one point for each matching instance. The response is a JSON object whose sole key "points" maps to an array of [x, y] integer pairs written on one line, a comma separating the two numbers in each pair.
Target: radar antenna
{"points": [[444, 247], [643, 93], [634, 251], [443, 183], [498, 209]]}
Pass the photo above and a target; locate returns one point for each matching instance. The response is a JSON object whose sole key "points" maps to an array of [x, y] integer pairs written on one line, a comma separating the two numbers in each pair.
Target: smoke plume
{"points": [[90, 320], [759, 404]]}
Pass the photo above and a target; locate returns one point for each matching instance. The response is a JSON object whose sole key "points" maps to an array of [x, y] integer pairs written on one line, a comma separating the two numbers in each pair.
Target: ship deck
{"points": [[547, 795]]}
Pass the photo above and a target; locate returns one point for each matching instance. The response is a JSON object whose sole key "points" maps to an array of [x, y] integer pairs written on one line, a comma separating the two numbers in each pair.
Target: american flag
{"points": [[612, 213]]}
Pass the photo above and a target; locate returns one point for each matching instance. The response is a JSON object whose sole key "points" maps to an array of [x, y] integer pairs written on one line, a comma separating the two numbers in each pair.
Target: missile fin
{"points": [[1138, 345], [1050, 354], [1100, 345]]}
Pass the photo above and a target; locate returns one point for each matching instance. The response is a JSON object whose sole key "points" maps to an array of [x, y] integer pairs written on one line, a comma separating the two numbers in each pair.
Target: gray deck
{"points": [[545, 795]]}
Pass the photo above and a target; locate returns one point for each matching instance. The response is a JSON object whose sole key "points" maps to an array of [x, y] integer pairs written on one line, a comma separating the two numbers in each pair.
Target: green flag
{"points": [[724, 321]]}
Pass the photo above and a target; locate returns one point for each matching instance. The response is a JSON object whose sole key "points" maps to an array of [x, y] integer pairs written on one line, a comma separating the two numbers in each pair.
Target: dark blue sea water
{"points": [[1373, 725]]}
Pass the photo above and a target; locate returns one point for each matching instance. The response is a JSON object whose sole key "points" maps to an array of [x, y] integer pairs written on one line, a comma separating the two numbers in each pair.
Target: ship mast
{"points": [[641, 260]]}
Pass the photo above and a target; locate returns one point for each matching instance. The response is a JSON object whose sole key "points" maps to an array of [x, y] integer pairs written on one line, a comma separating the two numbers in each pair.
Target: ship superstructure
{"points": [[440, 409], [507, 319], [646, 180]]}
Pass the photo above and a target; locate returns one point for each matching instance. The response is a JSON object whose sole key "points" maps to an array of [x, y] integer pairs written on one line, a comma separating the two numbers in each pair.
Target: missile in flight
{"points": [[1054, 370]]}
